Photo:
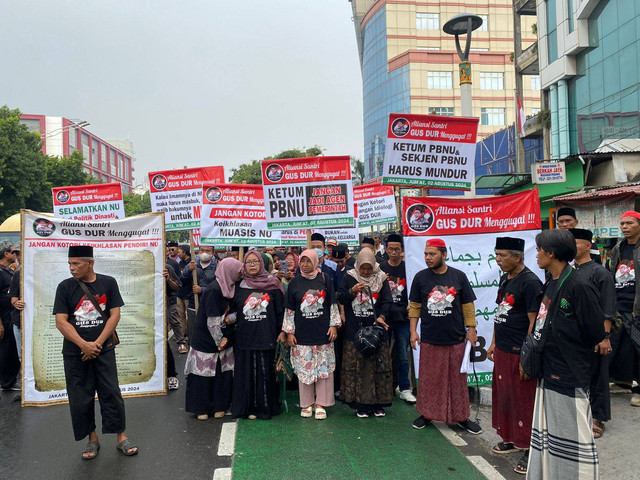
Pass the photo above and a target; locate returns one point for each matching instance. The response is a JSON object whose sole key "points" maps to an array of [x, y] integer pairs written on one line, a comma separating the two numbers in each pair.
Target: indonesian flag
{"points": [[520, 115]]}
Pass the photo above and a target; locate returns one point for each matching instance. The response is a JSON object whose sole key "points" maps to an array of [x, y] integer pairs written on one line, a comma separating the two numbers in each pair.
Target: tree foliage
{"points": [[135, 204], [250, 172], [357, 171]]}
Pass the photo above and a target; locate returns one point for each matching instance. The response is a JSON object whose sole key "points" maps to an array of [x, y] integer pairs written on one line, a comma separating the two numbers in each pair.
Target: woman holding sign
{"points": [[259, 306], [366, 382], [311, 322]]}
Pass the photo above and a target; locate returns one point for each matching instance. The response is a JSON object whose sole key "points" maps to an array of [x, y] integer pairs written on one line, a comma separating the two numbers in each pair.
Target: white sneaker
{"points": [[173, 383], [407, 396], [635, 400]]}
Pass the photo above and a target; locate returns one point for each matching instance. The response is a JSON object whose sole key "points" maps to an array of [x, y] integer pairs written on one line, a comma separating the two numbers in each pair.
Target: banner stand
{"points": [[241, 254], [194, 273], [308, 238]]}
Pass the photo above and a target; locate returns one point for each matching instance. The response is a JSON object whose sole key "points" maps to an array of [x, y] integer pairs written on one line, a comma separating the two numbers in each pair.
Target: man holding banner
{"points": [[442, 298]]}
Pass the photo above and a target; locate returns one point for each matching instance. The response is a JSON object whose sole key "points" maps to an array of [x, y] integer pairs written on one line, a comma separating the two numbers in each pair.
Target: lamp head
{"points": [[458, 24]]}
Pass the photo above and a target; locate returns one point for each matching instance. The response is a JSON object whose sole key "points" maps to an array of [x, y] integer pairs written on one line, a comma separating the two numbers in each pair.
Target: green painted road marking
{"points": [[346, 447]]}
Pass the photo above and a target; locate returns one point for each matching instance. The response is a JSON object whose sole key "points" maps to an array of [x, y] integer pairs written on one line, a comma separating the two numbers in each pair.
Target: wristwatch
{"points": [[607, 334]]}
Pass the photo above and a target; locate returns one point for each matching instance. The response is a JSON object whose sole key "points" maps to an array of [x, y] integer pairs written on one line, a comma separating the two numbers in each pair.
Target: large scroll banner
{"points": [[233, 215], [178, 194], [430, 151], [601, 214], [132, 251], [376, 204], [470, 227], [102, 201], [308, 193]]}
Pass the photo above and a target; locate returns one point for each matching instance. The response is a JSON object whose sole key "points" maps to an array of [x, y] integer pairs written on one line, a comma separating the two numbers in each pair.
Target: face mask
{"points": [[205, 257], [326, 252], [319, 252]]}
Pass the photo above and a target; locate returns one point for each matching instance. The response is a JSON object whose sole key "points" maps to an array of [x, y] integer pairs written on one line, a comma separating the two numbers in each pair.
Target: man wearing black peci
{"points": [[89, 350]]}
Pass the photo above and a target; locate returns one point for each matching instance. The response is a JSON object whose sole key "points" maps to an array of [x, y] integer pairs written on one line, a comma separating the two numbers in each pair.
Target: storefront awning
{"points": [[600, 193], [500, 181]]}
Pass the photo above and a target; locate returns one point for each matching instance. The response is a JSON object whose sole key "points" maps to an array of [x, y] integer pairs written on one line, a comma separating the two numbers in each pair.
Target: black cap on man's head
{"points": [[510, 243], [81, 251], [317, 237], [394, 237], [368, 240], [582, 234], [172, 244], [562, 211], [339, 252]]}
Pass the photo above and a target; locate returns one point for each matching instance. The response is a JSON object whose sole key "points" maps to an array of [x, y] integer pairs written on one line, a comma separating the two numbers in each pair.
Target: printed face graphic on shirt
{"points": [[86, 314], [397, 286], [504, 307], [440, 300], [362, 305], [625, 274], [312, 303], [542, 316], [255, 307]]}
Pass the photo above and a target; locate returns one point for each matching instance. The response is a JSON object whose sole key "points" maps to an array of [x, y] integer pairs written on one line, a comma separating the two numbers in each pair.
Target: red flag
{"points": [[520, 115]]}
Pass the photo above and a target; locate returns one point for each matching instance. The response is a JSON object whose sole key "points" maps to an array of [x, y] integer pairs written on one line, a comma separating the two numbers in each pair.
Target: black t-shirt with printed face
{"points": [[625, 279], [398, 285], [362, 309], [516, 298], [442, 297], [258, 319], [70, 300], [311, 301]]}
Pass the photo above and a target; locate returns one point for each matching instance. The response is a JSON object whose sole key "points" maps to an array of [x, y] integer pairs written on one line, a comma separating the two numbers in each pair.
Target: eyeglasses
{"points": [[394, 249], [253, 262]]}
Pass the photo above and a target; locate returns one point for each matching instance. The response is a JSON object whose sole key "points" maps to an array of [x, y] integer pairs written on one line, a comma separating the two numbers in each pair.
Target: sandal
{"points": [[521, 467], [203, 417], [92, 447], [126, 446], [598, 428], [306, 412], [503, 448], [321, 413]]}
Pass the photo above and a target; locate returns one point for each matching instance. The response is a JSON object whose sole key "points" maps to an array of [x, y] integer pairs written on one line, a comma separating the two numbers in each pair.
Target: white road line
{"points": [[450, 435], [485, 467], [222, 474], [227, 443]]}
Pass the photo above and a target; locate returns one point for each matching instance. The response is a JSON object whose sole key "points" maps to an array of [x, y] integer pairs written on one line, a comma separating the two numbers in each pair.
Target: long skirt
{"points": [[367, 382], [442, 390], [513, 399], [208, 395], [255, 390], [562, 444]]}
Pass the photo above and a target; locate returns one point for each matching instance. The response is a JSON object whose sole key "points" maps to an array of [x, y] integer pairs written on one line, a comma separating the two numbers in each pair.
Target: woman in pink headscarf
{"points": [[259, 306], [210, 363], [311, 322]]}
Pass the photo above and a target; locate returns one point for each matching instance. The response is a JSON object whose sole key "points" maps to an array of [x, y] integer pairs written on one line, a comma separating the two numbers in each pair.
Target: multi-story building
{"points": [[102, 160], [410, 65]]}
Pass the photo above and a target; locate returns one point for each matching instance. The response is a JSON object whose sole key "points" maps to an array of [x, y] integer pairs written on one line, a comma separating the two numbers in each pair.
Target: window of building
{"points": [[444, 111], [552, 31], [428, 21], [86, 152], [535, 82], [485, 23], [570, 10], [121, 165], [73, 140], [479, 49], [439, 80], [86, 170], [492, 116], [95, 152], [127, 168], [103, 165], [428, 48], [491, 81], [33, 124], [112, 163]]}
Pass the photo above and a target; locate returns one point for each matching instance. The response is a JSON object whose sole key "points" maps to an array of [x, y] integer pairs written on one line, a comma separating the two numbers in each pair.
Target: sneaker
{"points": [[173, 383], [407, 396], [362, 414], [635, 400], [379, 412], [182, 348], [420, 422], [471, 426]]}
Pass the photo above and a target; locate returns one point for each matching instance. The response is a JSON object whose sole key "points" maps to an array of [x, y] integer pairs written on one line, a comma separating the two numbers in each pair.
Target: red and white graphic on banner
{"points": [[234, 215], [308, 192], [102, 201], [469, 228], [376, 204], [430, 151], [178, 193]]}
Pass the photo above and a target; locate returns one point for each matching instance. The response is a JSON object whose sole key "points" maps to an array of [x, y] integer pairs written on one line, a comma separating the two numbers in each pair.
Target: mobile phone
{"points": [[284, 266]]}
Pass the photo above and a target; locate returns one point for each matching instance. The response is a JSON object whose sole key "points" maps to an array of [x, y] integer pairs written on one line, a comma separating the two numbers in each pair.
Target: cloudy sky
{"points": [[190, 82]]}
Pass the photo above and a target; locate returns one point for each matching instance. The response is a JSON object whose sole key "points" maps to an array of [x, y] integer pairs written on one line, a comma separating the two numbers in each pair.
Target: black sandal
{"points": [[126, 446], [521, 467], [503, 448], [92, 447]]}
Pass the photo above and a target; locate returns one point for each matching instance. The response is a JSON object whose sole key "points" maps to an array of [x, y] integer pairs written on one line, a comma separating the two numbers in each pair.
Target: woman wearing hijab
{"points": [[366, 382], [210, 363], [311, 321], [268, 262], [292, 267], [259, 307]]}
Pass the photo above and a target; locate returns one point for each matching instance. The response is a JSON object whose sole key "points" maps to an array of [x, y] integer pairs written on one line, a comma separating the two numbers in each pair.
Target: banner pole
{"points": [[398, 207], [308, 238], [194, 272], [241, 254]]}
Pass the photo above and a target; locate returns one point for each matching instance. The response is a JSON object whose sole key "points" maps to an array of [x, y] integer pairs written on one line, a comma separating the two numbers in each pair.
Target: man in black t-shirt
{"points": [[88, 351], [398, 319], [9, 362], [566, 219], [625, 359]]}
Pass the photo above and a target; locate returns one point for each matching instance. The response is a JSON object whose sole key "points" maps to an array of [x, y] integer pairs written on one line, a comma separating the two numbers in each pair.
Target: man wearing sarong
{"points": [[601, 279], [442, 298], [88, 351], [570, 323], [625, 360], [513, 392]]}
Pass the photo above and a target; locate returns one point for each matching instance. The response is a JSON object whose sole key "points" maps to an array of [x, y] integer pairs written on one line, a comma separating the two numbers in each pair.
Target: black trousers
{"points": [[9, 361], [625, 360], [599, 390], [84, 379]]}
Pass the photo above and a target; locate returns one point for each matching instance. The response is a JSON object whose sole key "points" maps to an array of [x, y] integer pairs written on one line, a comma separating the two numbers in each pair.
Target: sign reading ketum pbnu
{"points": [[102, 201], [308, 192], [233, 214], [430, 151], [178, 193]]}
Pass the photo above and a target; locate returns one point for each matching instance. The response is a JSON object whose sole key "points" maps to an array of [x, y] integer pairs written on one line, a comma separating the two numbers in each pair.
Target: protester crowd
{"points": [[345, 325]]}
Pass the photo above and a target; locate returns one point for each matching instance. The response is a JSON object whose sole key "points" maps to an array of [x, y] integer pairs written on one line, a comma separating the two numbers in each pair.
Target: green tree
{"points": [[135, 204], [250, 172], [67, 171], [357, 171]]}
